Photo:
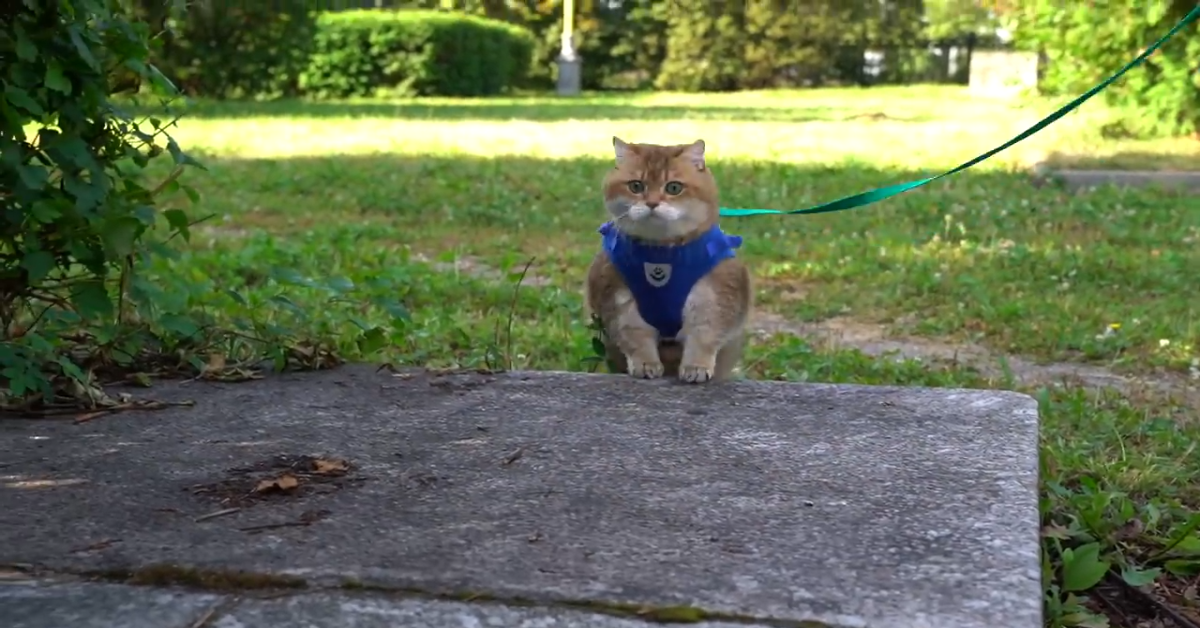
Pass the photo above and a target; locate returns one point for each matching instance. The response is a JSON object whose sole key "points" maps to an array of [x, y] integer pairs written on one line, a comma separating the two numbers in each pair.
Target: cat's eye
{"points": [[637, 187], [674, 188]]}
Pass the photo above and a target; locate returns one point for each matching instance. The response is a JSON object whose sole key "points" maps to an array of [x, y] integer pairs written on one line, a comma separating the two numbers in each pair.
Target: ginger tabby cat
{"points": [[666, 276]]}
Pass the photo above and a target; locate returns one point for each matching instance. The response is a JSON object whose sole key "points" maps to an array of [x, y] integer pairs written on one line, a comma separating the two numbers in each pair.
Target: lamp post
{"points": [[569, 79]]}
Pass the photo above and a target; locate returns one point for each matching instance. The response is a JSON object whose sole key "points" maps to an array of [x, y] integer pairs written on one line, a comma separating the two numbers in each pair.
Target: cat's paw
{"points": [[695, 374], [645, 370]]}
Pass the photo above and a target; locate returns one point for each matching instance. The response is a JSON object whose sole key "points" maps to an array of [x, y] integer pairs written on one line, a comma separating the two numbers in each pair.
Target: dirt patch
{"points": [[281, 478], [875, 340]]}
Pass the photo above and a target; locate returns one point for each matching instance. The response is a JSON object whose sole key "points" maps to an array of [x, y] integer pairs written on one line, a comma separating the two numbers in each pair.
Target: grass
{"points": [[322, 209]]}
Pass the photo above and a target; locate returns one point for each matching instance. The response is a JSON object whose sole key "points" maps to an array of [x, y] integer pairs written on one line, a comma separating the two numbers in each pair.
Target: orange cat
{"points": [[671, 296]]}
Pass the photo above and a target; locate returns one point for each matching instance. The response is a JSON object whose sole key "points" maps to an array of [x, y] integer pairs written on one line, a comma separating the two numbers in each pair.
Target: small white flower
{"points": [[1163, 342]]}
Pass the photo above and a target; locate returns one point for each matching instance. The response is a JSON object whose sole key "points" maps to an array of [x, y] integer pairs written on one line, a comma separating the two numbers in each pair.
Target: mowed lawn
{"points": [[437, 205]]}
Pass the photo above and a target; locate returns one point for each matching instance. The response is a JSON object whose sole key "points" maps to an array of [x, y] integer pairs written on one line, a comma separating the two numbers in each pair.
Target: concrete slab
{"points": [[51, 604], [755, 502]]}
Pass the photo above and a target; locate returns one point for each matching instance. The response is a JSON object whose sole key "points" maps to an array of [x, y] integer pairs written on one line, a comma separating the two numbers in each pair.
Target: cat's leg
{"points": [[729, 357], [714, 317], [608, 296]]}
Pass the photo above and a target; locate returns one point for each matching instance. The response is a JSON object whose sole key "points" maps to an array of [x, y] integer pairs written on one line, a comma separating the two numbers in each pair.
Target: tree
{"points": [[952, 19], [1086, 43]]}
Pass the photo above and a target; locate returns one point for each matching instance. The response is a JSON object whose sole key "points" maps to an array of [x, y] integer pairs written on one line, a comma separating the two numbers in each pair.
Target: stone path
{"points": [[871, 339], [356, 497]]}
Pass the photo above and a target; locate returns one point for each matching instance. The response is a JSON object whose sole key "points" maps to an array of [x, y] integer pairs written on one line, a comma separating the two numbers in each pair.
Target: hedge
{"points": [[419, 53]]}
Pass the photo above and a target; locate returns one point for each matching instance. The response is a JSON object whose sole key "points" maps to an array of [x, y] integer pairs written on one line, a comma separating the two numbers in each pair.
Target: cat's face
{"points": [[661, 193]]}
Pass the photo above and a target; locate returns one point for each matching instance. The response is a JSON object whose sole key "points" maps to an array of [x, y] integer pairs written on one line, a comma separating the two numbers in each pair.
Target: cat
{"points": [[670, 295]]}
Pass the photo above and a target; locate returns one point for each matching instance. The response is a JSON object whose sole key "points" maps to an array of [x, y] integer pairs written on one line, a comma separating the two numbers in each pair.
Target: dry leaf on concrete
{"points": [[329, 466], [285, 482]]}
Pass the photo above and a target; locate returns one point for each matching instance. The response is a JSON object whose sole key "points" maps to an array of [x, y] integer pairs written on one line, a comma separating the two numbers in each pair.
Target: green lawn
{"points": [[434, 207]]}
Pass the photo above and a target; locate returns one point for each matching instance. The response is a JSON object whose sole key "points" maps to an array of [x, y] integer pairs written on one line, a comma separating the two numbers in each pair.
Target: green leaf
{"points": [[26, 50], [1187, 546], [55, 79], [284, 274], [280, 360], [87, 195], [372, 340], [1183, 567], [178, 221], [398, 311], [70, 369], [39, 264], [16, 380], [21, 99], [33, 176], [82, 48], [340, 284], [179, 324], [289, 304], [598, 346], [1140, 577], [38, 343], [119, 236], [1082, 567], [181, 158], [91, 299], [160, 80], [236, 296], [191, 193], [144, 214]]}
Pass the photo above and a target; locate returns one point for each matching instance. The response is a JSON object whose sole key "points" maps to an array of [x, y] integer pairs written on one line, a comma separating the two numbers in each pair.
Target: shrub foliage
{"points": [[356, 53], [1085, 44], [234, 49], [76, 216]]}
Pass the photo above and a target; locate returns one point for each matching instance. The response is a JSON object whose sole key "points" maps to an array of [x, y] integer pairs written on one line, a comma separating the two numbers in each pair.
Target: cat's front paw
{"points": [[695, 374], [645, 370]]}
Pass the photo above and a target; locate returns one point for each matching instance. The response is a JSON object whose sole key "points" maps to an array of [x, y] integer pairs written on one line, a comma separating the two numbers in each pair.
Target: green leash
{"points": [[879, 194]]}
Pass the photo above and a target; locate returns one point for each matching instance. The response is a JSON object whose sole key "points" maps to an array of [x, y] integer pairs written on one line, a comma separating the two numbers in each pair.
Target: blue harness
{"points": [[661, 277]]}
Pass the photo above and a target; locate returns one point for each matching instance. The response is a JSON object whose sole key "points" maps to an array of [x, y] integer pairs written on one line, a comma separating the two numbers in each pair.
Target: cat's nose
{"points": [[651, 204]]}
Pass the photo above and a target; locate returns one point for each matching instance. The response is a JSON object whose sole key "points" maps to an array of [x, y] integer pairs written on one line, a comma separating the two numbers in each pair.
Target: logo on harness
{"points": [[657, 275]]}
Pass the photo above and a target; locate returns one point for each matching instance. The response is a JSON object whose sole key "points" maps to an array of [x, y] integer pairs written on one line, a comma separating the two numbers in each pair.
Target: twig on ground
{"points": [[219, 513]]}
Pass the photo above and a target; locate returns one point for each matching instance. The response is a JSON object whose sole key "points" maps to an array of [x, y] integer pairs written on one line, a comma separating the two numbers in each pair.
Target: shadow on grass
{"points": [[539, 110], [1183, 160]]}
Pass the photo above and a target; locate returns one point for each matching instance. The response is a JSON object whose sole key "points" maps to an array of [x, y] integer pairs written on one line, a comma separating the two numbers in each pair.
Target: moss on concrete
{"points": [[164, 575]]}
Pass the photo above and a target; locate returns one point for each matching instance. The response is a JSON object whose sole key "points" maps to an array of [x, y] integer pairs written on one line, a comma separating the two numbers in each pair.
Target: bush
{"points": [[704, 47], [1084, 45], [420, 53], [237, 49], [75, 215]]}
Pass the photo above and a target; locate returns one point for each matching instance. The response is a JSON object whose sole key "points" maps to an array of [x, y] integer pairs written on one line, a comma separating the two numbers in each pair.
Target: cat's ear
{"points": [[695, 154], [620, 148]]}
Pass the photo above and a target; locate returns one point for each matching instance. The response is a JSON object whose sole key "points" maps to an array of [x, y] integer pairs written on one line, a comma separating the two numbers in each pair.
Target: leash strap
{"points": [[888, 191]]}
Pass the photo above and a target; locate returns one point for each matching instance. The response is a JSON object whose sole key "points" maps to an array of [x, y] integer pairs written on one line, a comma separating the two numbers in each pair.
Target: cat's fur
{"points": [[717, 307]]}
